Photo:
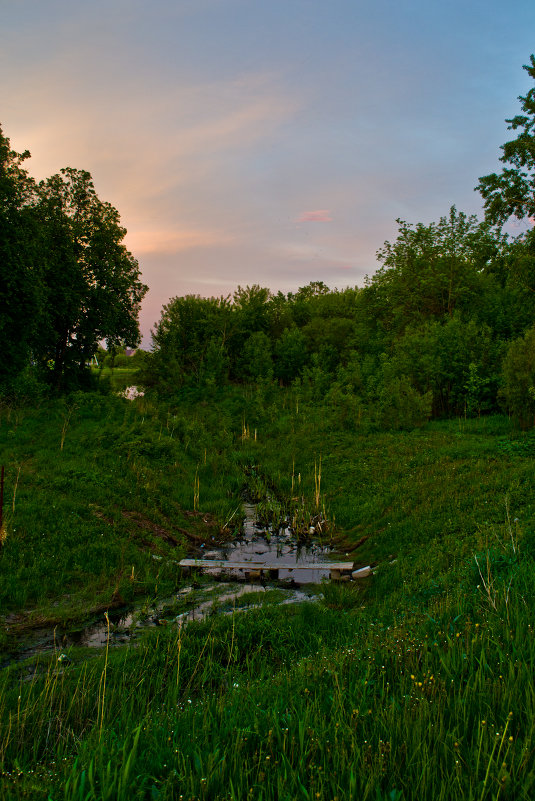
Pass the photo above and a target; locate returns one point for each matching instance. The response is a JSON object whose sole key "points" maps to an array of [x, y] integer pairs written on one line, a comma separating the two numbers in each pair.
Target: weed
{"points": [[425, 693]]}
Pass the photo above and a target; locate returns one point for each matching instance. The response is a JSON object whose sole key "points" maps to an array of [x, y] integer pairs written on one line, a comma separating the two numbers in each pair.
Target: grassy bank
{"points": [[414, 685], [382, 702], [96, 487]]}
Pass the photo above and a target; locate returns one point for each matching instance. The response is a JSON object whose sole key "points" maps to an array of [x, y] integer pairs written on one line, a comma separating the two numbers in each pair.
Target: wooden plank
{"points": [[223, 564]]}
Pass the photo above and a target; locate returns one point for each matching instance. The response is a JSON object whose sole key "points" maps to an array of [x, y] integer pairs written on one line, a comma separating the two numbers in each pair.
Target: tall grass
{"points": [[415, 684], [306, 703], [104, 487]]}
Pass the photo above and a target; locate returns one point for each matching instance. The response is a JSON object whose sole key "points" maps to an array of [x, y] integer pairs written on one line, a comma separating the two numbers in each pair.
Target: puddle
{"points": [[280, 548]]}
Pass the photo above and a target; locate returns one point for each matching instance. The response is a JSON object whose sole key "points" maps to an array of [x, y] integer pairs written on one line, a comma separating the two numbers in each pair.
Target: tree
{"points": [[93, 286], [291, 354], [257, 358], [512, 192], [250, 315], [431, 271], [518, 379], [67, 281], [21, 285], [251, 304], [191, 330]]}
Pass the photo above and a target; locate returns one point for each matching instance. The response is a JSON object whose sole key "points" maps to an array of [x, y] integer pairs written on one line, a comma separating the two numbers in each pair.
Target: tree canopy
{"points": [[443, 327], [512, 192], [67, 280]]}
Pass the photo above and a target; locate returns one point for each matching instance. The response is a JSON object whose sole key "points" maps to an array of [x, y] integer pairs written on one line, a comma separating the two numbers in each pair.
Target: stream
{"points": [[226, 593]]}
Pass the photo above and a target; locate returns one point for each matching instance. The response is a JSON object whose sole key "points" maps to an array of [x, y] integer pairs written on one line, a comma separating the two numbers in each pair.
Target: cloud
{"points": [[142, 242], [320, 215]]}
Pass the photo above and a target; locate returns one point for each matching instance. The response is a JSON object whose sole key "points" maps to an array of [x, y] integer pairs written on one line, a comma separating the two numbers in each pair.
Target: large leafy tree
{"points": [[512, 192], [518, 380], [432, 271], [93, 286], [21, 286], [190, 333], [67, 280]]}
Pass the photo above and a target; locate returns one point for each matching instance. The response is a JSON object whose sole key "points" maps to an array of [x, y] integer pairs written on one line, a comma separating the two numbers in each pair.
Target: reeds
{"points": [[360, 704], [402, 692], [196, 491], [66, 421], [3, 528], [317, 483], [102, 683]]}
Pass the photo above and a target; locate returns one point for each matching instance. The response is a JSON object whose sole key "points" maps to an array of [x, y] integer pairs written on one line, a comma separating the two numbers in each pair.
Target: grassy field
{"points": [[415, 684], [117, 377]]}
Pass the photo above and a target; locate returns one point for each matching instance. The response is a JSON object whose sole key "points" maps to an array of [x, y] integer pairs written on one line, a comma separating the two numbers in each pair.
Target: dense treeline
{"points": [[442, 328], [66, 280]]}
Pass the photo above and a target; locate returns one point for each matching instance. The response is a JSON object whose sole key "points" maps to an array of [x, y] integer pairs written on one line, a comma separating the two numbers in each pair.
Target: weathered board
{"points": [[335, 568]]}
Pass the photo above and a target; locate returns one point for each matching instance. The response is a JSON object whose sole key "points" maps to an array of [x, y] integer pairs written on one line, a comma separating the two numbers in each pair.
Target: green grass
{"points": [[119, 377], [414, 684], [95, 487], [296, 703]]}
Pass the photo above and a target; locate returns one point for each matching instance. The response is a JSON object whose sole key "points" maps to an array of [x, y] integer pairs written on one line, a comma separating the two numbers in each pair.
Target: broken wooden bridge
{"points": [[264, 569]]}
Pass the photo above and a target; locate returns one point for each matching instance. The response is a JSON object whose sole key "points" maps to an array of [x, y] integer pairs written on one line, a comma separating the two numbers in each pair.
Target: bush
{"points": [[517, 392]]}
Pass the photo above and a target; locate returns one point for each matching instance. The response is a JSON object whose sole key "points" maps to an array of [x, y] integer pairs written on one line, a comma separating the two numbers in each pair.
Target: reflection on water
{"points": [[281, 549], [187, 605]]}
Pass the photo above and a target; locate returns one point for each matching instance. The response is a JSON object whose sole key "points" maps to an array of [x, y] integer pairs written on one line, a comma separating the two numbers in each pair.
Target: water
{"points": [[280, 548]]}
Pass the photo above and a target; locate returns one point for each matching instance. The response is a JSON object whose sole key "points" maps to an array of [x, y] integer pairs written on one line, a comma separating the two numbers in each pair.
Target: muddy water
{"points": [[279, 547], [216, 599]]}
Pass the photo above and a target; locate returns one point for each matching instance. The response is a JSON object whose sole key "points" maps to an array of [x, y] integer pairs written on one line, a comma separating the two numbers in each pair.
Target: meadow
{"points": [[413, 684]]}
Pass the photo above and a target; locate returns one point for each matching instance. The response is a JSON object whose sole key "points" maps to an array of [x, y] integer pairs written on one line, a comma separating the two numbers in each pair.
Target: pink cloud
{"points": [[320, 215]]}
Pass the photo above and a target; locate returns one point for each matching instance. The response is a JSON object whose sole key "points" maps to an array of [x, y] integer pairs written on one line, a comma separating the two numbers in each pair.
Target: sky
{"points": [[270, 142]]}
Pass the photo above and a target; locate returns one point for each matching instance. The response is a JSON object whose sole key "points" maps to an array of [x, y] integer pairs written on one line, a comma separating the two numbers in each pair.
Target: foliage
{"points": [[257, 357], [425, 336], [518, 388], [66, 279], [21, 285], [512, 192], [430, 271]]}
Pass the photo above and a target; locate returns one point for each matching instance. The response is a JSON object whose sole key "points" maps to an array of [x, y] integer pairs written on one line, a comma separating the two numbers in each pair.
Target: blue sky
{"points": [[246, 141]]}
